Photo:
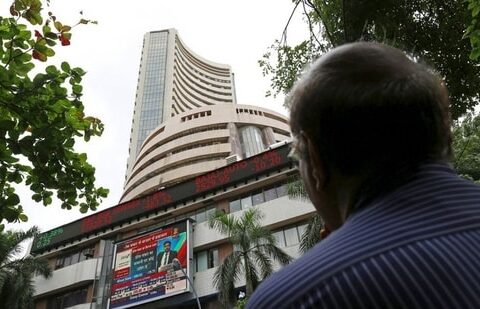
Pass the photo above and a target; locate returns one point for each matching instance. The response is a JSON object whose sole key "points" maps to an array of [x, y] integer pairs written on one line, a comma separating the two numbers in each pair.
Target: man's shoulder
{"points": [[437, 204], [408, 275]]}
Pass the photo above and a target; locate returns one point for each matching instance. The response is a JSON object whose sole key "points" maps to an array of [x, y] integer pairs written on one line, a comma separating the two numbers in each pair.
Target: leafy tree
{"points": [[254, 250], [473, 30], [16, 288], [428, 29], [41, 116], [466, 147]]}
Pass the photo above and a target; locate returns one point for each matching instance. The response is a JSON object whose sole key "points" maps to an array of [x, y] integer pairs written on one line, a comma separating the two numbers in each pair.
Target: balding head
{"points": [[372, 112]]}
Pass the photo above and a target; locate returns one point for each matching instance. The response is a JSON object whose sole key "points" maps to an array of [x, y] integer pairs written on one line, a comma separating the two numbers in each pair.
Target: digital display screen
{"points": [[202, 184], [149, 267]]}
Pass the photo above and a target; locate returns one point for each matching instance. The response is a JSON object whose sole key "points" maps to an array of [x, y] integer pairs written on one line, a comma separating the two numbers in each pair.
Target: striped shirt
{"points": [[418, 247]]}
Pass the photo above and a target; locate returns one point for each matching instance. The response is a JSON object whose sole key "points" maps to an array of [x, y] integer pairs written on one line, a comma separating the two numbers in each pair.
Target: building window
{"points": [[206, 259], [280, 238], [235, 206], [68, 299], [282, 190], [203, 214], [290, 235], [73, 257], [270, 194], [258, 197], [246, 202]]}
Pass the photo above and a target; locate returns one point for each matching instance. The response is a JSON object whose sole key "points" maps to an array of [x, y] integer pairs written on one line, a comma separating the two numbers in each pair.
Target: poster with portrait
{"points": [[151, 266]]}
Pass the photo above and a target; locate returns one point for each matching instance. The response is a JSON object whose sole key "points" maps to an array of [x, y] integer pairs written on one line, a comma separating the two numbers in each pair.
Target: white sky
{"points": [[231, 32]]}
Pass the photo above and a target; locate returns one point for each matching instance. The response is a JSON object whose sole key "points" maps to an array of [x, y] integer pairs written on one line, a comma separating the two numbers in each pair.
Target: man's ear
{"points": [[316, 164]]}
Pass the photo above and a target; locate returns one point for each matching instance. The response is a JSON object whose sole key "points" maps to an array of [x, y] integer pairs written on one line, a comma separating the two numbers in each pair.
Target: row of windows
{"points": [[179, 150], [220, 126], [154, 80], [271, 116], [290, 236], [249, 111], [200, 64], [193, 91], [257, 197], [285, 237], [196, 115], [198, 145], [178, 165], [68, 299], [179, 101], [180, 67], [74, 257], [196, 78], [202, 98]]}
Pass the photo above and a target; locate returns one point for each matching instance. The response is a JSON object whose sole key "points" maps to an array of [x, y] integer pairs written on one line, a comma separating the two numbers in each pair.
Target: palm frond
{"points": [[276, 253], [251, 275], [16, 274], [226, 275], [311, 236], [264, 263], [223, 223], [296, 188]]}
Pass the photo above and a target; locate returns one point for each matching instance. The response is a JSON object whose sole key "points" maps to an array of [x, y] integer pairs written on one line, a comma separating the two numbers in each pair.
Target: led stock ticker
{"points": [[228, 175]]}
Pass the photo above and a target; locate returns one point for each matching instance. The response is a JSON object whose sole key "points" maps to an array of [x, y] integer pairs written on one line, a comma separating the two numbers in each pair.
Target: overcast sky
{"points": [[231, 32]]}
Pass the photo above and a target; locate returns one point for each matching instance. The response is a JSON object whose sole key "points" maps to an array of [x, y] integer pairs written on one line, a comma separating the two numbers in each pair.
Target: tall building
{"points": [[193, 152], [173, 80]]}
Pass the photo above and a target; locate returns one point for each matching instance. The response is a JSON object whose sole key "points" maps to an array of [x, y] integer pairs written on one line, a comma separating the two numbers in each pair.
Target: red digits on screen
{"points": [[96, 221], [157, 200], [266, 160]]}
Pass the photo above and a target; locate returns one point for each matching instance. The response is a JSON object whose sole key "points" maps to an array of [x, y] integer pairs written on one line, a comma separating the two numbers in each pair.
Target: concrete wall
{"points": [[72, 275]]}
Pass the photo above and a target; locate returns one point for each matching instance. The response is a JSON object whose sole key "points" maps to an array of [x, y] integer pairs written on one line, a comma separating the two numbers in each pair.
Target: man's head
{"points": [[369, 116], [166, 246]]}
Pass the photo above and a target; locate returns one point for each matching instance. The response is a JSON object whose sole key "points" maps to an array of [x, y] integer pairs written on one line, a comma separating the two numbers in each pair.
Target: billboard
{"points": [[145, 268]]}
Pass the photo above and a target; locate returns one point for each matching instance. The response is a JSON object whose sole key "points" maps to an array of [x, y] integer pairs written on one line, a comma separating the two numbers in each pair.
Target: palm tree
{"points": [[16, 287], [313, 232], [254, 250]]}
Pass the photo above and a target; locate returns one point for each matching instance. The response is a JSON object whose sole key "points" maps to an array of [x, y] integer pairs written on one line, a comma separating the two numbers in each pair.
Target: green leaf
{"points": [[58, 25], [49, 52], [47, 201], [37, 197], [51, 35], [77, 89], [50, 42], [65, 67], [52, 70]]}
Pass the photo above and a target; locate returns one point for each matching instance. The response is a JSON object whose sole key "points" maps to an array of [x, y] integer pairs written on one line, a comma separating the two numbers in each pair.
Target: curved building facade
{"points": [[173, 80], [199, 141]]}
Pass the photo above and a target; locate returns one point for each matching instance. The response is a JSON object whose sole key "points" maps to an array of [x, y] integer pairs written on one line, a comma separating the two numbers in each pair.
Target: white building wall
{"points": [[68, 276], [280, 211], [276, 212]]}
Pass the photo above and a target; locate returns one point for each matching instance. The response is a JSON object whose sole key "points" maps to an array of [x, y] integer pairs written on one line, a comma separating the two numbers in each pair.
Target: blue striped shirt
{"points": [[418, 247]]}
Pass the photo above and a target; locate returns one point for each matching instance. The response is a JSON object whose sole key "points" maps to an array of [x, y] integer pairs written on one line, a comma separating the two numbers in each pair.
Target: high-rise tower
{"points": [[172, 80]]}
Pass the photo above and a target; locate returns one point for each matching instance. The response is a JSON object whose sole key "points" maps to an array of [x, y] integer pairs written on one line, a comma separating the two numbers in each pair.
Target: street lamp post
{"points": [[177, 264]]}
